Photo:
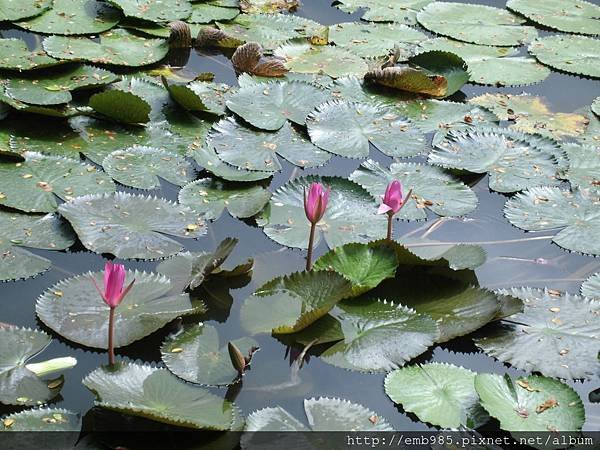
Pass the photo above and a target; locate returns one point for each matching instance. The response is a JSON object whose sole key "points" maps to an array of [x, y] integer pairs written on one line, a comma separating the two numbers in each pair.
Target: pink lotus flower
{"points": [[392, 200], [315, 203], [114, 280]]}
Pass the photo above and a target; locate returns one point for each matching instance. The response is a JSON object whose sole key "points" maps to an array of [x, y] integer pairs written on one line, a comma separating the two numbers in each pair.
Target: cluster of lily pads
{"points": [[91, 114]]}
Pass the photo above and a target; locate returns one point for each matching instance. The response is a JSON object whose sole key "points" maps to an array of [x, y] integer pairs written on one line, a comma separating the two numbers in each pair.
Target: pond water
{"points": [[514, 258]]}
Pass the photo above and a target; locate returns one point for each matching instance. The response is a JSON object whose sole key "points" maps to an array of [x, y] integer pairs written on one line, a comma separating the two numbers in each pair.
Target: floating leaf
{"points": [[575, 214], [73, 309], [591, 287], [34, 184], [556, 335], [200, 96], [141, 167], [15, 55], [194, 354], [11, 10], [447, 196], [69, 17], [583, 166], [458, 257], [573, 54], [21, 231], [206, 157], [443, 64], [351, 215], [154, 11], [478, 24], [437, 393], [122, 106], [146, 391], [248, 149], [117, 47], [517, 408], [131, 226], [209, 197], [268, 6], [403, 11], [596, 106], [42, 420], [347, 129], [269, 105], [207, 13]]}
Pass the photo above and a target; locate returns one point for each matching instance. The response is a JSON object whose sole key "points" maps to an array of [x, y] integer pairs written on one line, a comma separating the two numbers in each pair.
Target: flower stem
{"points": [[311, 242], [111, 332], [390, 227]]}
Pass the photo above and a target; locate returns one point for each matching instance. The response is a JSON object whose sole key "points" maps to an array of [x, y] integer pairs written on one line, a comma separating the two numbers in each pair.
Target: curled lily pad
{"points": [[446, 197], [200, 96], [131, 226], [574, 214], [11, 10], [403, 11], [584, 166], [36, 184], [63, 111], [117, 47], [122, 106], [146, 391], [591, 287], [347, 128], [248, 149], [437, 393], [154, 11], [288, 304], [269, 105], [210, 197], [556, 335], [249, 58], [209, 37], [141, 167], [573, 54], [479, 24], [530, 403], [21, 231], [42, 420], [195, 355], [69, 17], [14, 55], [73, 309], [351, 215], [323, 414]]}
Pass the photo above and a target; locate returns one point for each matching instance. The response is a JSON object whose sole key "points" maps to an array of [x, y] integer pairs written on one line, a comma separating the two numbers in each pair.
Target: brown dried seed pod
{"points": [[270, 67], [213, 37], [181, 35], [246, 57]]}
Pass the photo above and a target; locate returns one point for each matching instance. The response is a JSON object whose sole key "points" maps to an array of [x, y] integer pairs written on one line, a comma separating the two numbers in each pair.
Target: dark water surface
{"points": [[515, 262]]}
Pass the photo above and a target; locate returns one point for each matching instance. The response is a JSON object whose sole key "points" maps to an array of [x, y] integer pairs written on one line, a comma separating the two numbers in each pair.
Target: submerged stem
{"points": [[111, 332], [311, 242]]}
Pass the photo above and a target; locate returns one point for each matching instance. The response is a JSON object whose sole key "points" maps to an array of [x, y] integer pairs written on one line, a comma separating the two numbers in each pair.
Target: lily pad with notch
{"points": [[573, 54], [11, 10], [207, 158]]}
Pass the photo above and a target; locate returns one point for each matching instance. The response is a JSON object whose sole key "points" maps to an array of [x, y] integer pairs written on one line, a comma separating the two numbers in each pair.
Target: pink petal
{"points": [[383, 208]]}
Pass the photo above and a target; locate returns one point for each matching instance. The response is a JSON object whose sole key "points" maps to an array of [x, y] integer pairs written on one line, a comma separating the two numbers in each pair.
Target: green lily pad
{"points": [[437, 393], [117, 47], [21, 231], [531, 403], [457, 257], [207, 13], [572, 16], [146, 391], [73, 309], [583, 166], [592, 132], [154, 11], [201, 96], [269, 105], [573, 54], [18, 384], [556, 335], [42, 420], [288, 304], [70, 17], [574, 214], [131, 226], [54, 88], [122, 106], [447, 196], [351, 215], [347, 129], [591, 287], [375, 39], [209, 197], [365, 265], [268, 6], [206, 157], [141, 167], [15, 55], [248, 149], [194, 354], [11, 10], [403, 11], [478, 24], [323, 414], [34, 184]]}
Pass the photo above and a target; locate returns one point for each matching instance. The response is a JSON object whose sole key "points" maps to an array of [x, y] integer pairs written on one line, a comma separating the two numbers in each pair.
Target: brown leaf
{"points": [[548, 404], [410, 80], [525, 385], [249, 58], [181, 35]]}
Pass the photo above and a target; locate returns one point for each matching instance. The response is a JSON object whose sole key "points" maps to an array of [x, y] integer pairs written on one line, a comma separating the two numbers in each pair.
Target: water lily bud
{"points": [[392, 200], [114, 281], [237, 359], [315, 202]]}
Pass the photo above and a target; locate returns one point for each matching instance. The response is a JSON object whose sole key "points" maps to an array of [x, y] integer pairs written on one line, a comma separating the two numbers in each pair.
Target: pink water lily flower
{"points": [[315, 202], [114, 281], [392, 200]]}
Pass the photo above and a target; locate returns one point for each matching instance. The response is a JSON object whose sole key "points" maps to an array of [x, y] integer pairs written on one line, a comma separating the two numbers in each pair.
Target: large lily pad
{"points": [[70, 17], [590, 288], [117, 47], [447, 196], [556, 334], [73, 309], [201, 96], [154, 11], [248, 149], [573, 54], [584, 166], [437, 393], [207, 13], [141, 167], [131, 226], [269, 105], [11, 10], [21, 231], [15, 55], [146, 391], [575, 214], [288, 304], [206, 157], [351, 215], [194, 354], [42, 420], [403, 11], [36, 184], [209, 197], [531, 403], [478, 24], [572, 16], [347, 128]]}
